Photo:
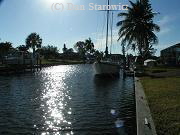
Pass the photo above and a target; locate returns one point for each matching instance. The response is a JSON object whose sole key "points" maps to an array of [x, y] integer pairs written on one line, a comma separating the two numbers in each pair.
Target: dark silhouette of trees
{"points": [[64, 48], [5, 48], [22, 48], [34, 41], [150, 53], [49, 52], [70, 50], [89, 46], [137, 28], [80, 48], [98, 55], [84, 47]]}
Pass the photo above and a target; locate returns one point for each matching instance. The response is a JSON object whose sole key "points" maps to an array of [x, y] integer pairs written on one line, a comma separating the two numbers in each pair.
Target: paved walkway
{"points": [[145, 124]]}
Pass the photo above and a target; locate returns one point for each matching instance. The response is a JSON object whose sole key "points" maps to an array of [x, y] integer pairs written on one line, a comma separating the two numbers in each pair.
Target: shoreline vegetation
{"points": [[54, 62], [33, 56], [5, 69], [162, 91]]}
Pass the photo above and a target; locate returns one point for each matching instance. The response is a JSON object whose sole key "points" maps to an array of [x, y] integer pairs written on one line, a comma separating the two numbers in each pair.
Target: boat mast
{"points": [[111, 33], [106, 51]]}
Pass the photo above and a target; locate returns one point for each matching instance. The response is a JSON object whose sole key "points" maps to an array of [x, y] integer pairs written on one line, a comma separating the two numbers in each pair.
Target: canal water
{"points": [[66, 100]]}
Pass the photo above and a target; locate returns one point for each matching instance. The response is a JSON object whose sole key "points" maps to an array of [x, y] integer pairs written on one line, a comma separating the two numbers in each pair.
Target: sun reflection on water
{"points": [[55, 100]]}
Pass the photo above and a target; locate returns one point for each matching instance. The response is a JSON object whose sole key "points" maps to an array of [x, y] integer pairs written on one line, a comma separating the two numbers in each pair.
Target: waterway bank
{"points": [[145, 123], [18, 69]]}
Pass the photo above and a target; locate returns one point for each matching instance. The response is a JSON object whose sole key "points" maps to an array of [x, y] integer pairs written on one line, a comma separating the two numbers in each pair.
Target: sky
{"points": [[55, 26]]}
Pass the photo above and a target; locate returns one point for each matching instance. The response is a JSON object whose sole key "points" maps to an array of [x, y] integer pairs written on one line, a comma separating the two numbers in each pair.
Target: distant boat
{"points": [[106, 66]]}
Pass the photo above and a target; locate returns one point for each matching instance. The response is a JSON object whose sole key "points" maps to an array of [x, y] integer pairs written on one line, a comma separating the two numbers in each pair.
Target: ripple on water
{"points": [[66, 100]]}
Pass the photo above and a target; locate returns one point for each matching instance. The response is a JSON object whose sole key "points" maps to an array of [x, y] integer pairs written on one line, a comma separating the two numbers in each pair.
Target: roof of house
{"points": [[173, 46]]}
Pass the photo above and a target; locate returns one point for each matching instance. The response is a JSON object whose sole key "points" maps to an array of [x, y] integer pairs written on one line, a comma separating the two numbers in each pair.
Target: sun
{"points": [[50, 2]]}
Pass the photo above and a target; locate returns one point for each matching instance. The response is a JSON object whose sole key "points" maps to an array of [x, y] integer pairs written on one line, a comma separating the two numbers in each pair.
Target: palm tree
{"points": [[137, 28], [5, 47], [89, 45], [33, 41], [84, 48], [80, 48]]}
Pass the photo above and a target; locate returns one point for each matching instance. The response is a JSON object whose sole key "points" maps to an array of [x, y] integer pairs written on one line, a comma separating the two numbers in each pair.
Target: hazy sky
{"points": [[19, 18]]}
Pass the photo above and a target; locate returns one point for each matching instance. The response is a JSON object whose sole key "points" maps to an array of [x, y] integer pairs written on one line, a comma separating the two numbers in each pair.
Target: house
{"points": [[19, 58], [171, 55]]}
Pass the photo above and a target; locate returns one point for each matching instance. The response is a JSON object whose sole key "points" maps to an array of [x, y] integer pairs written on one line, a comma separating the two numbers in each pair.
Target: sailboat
{"points": [[106, 66]]}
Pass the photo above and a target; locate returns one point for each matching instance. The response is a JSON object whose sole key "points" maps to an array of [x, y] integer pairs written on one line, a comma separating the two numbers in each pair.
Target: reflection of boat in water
{"points": [[120, 127], [104, 81], [119, 123], [121, 131], [107, 66]]}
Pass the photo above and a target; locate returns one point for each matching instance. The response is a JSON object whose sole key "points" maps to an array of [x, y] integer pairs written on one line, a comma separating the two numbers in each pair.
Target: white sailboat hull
{"points": [[106, 68]]}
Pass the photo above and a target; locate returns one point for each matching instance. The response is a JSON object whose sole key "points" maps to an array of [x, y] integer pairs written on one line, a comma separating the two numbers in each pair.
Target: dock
{"points": [[17, 69]]}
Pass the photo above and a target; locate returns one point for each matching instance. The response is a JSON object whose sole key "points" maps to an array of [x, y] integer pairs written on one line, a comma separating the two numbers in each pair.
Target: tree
{"points": [[70, 50], [150, 53], [80, 47], [5, 48], [137, 28], [33, 41], [23, 48], [83, 47], [64, 48], [89, 46], [49, 51], [124, 56], [98, 55]]}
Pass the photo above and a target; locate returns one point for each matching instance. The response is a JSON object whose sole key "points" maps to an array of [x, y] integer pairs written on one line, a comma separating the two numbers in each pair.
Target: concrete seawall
{"points": [[145, 124]]}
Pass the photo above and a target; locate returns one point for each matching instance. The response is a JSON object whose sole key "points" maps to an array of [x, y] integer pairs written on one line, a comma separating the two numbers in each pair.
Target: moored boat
{"points": [[107, 66]]}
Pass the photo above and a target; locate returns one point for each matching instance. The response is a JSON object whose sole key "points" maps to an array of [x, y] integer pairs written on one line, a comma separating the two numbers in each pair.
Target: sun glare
{"points": [[50, 2]]}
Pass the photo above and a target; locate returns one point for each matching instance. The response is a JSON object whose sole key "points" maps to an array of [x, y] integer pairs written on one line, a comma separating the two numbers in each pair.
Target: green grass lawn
{"points": [[163, 96], [159, 69]]}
